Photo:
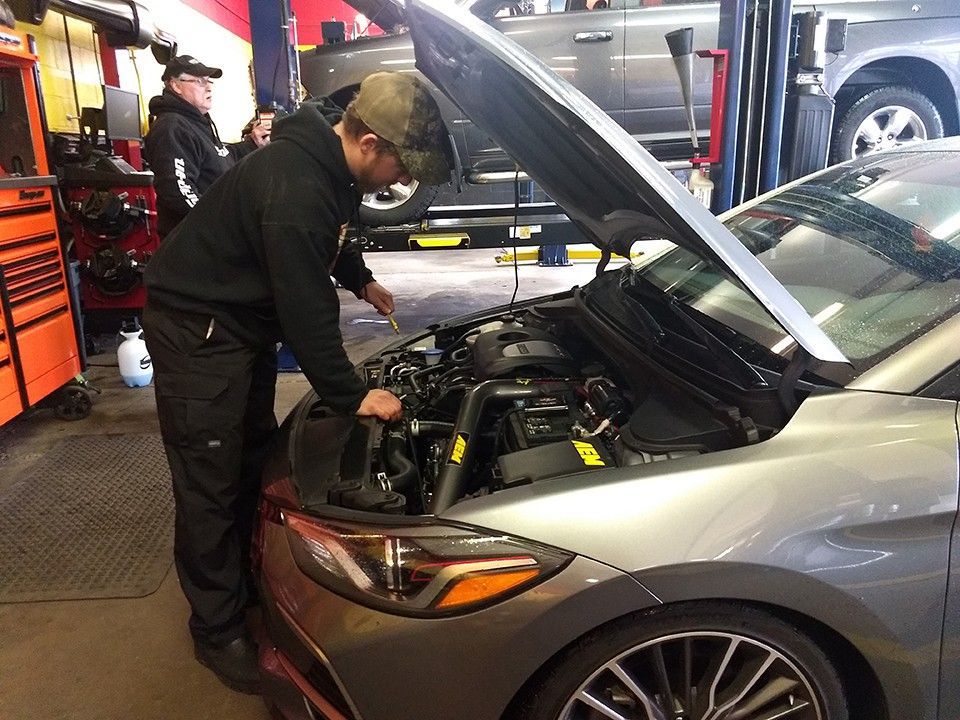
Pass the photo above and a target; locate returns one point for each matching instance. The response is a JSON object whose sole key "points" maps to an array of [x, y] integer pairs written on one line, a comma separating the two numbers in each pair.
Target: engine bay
{"points": [[498, 403]]}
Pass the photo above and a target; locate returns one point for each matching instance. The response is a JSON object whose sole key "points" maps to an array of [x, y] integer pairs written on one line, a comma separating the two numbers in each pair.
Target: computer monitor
{"points": [[121, 113]]}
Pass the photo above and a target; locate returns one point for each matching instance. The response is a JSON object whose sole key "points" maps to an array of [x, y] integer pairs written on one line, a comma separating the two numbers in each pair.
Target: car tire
{"points": [[881, 118], [398, 204], [636, 667]]}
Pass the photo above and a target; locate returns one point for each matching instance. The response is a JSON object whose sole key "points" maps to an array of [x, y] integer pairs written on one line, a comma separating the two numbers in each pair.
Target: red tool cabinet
{"points": [[39, 353]]}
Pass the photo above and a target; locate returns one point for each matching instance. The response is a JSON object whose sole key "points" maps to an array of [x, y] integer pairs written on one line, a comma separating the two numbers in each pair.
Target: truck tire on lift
{"points": [[394, 206], [918, 120], [73, 403]]}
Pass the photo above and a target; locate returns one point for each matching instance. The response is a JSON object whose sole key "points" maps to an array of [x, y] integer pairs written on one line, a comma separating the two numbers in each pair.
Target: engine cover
{"points": [[554, 460], [524, 352]]}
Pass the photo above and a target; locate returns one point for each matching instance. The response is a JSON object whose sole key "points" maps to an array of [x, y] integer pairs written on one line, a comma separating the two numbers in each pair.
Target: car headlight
{"points": [[422, 570]]}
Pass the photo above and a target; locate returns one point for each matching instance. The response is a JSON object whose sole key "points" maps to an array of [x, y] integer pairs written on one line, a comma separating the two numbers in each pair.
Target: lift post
{"points": [[275, 71], [809, 116], [731, 37]]}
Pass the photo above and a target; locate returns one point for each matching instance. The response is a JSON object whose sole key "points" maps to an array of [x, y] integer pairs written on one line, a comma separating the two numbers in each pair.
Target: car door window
{"points": [[572, 6]]}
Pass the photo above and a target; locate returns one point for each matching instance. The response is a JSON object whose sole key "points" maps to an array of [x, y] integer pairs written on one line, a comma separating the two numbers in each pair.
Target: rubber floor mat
{"points": [[92, 518]]}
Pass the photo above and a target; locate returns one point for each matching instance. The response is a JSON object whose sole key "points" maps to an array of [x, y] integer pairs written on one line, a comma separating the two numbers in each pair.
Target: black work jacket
{"points": [[258, 250], [186, 155]]}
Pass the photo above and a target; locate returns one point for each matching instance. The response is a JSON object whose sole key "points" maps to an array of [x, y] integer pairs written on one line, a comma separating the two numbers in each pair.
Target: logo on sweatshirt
{"points": [[186, 189]]}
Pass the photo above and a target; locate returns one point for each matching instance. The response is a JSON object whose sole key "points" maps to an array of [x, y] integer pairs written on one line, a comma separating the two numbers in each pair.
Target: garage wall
{"points": [[197, 34], [58, 96], [215, 31], [310, 13], [234, 15], [212, 44]]}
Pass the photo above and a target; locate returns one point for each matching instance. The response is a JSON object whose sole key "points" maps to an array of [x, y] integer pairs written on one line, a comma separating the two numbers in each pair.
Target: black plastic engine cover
{"points": [[524, 352], [667, 423], [542, 420], [553, 460]]}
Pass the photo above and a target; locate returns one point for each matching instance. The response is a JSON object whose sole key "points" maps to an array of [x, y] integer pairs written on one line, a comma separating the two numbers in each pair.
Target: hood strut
{"points": [[787, 387]]}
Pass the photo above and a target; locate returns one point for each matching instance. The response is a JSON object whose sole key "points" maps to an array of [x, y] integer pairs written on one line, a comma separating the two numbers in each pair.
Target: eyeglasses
{"points": [[201, 81]]}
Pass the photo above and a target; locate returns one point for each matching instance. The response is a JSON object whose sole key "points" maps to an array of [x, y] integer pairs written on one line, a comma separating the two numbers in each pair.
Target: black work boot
{"points": [[234, 663]]}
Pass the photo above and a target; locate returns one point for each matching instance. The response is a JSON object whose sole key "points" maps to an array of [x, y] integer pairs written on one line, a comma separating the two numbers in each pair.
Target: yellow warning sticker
{"points": [[459, 448], [588, 453]]}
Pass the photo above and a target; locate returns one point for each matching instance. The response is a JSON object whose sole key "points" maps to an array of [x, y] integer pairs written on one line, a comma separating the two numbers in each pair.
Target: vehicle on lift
{"points": [[720, 483], [896, 81]]}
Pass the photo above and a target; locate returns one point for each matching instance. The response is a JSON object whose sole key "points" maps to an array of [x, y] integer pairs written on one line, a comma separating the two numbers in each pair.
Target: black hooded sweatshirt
{"points": [[186, 156], [257, 251]]}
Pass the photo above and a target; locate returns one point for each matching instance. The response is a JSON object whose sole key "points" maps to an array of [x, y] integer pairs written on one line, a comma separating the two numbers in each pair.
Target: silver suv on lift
{"points": [[897, 80]]}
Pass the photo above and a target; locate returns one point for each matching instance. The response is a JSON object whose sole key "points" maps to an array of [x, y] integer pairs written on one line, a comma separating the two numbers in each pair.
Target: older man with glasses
{"points": [[183, 147]]}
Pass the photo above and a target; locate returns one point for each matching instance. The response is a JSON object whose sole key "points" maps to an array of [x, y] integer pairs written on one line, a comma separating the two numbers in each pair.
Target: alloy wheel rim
{"points": [[390, 197], [696, 676], [886, 128]]}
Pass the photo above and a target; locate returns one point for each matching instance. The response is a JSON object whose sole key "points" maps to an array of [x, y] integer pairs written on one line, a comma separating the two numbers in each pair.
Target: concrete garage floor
{"points": [[132, 658]]}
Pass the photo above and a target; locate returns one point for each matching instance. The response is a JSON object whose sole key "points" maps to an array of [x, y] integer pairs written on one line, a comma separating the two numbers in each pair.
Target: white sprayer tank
{"points": [[136, 369]]}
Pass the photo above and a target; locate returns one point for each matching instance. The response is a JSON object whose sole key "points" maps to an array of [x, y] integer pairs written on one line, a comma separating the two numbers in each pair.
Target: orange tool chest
{"points": [[39, 351]]}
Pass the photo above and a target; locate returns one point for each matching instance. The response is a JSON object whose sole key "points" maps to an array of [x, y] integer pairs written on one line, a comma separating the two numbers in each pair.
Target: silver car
{"points": [[896, 81], [722, 483]]}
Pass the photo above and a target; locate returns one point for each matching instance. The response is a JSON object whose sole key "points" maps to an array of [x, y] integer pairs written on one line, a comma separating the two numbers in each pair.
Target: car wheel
{"points": [[397, 204], [701, 661], [883, 118]]}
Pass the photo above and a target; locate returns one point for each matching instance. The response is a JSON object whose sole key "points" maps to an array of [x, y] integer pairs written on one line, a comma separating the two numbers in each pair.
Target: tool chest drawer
{"points": [[35, 286], [25, 213], [17, 247], [10, 404], [38, 342], [49, 350]]}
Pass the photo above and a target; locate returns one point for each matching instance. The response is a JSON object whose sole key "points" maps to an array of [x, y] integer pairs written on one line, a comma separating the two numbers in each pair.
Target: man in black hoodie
{"points": [[183, 147], [248, 267]]}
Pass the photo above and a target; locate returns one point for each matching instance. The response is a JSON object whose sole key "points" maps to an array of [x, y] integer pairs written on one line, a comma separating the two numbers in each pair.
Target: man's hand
{"points": [[378, 296], [382, 404], [260, 134]]}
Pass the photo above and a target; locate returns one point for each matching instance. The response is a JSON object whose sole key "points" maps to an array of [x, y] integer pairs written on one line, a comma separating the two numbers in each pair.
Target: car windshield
{"points": [[872, 253]]}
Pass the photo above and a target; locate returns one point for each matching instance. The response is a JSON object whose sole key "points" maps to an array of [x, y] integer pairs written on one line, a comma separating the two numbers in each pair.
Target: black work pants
{"points": [[215, 397]]}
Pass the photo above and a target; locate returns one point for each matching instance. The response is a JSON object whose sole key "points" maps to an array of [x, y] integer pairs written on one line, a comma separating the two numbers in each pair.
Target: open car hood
{"points": [[609, 185], [388, 14]]}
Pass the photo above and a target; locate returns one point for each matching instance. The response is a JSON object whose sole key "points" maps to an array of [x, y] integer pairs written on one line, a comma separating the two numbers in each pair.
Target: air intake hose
{"points": [[402, 471], [452, 482]]}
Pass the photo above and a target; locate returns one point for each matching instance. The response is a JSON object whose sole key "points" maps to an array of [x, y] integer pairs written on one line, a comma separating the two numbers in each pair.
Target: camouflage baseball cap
{"points": [[399, 108]]}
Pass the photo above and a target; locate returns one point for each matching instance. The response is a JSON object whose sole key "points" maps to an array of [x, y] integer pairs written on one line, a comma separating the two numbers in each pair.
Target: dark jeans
{"points": [[215, 399]]}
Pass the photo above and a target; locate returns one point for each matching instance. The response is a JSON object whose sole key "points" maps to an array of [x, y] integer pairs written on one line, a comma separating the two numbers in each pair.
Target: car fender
{"points": [[855, 498], [909, 673], [922, 39]]}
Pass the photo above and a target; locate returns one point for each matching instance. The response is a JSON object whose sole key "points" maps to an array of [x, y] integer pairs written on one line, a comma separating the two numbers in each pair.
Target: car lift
{"points": [[484, 226], [763, 125]]}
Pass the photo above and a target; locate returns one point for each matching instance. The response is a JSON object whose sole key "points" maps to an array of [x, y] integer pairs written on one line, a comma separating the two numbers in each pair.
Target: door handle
{"points": [[593, 36]]}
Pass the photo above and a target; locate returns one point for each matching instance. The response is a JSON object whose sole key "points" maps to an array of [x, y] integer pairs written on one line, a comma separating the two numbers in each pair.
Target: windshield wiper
{"points": [[653, 329], [743, 372]]}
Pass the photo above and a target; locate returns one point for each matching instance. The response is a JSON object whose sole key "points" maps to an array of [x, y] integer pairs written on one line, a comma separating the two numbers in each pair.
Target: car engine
{"points": [[494, 405]]}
